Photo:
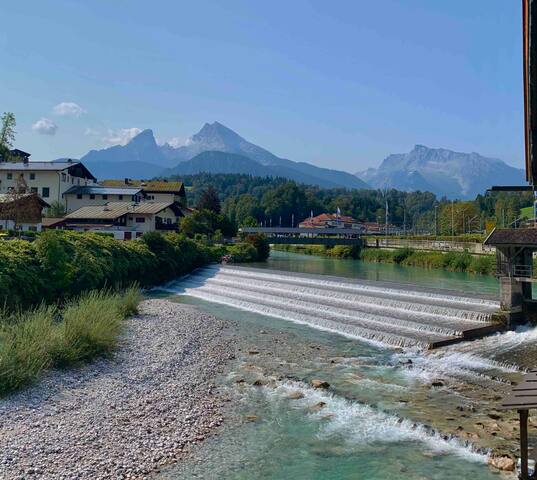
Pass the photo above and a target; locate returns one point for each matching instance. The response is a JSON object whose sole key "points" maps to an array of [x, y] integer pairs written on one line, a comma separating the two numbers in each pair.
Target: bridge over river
{"points": [[308, 236]]}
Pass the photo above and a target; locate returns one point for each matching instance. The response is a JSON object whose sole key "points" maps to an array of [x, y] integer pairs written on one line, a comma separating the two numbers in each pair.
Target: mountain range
{"points": [[443, 172], [142, 157], [218, 149]]}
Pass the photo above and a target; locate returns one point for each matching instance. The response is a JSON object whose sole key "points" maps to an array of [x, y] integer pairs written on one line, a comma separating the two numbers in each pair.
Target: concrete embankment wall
{"points": [[435, 245]]}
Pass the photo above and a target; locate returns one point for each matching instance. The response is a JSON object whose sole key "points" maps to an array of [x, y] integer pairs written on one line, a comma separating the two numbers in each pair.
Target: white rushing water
{"points": [[393, 316], [359, 424]]}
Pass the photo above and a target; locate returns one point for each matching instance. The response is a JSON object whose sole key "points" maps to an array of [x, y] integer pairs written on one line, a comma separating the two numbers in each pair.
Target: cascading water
{"points": [[363, 310], [374, 419]]}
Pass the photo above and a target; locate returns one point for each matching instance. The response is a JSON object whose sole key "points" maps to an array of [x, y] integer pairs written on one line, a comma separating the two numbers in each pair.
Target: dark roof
{"points": [[92, 190], [512, 236], [49, 222], [19, 153], [523, 396], [15, 197]]}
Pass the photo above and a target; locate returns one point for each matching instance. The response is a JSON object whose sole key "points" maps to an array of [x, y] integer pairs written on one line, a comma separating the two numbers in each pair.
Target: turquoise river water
{"points": [[380, 418]]}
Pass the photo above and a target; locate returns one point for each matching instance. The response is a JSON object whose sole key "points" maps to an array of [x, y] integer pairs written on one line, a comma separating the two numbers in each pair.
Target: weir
{"points": [[393, 314]]}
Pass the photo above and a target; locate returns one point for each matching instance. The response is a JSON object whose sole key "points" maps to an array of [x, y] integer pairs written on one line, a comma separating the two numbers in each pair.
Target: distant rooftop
{"points": [[113, 210], [55, 166], [148, 186], [98, 190]]}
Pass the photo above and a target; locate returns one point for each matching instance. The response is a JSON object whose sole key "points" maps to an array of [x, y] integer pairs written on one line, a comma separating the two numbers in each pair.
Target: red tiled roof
{"points": [[328, 217]]}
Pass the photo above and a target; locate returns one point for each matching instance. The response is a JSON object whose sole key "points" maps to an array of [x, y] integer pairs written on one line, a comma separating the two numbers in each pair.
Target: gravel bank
{"points": [[127, 416]]}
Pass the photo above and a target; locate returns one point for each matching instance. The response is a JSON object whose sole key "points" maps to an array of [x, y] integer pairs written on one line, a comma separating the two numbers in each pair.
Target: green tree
{"points": [[7, 135], [56, 210], [207, 222], [457, 217], [209, 200]]}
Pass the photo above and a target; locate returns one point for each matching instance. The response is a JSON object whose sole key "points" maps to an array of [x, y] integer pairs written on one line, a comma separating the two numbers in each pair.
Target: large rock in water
{"points": [[505, 463]]}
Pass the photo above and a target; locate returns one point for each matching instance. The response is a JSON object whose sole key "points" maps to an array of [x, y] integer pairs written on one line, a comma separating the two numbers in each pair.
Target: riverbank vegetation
{"points": [[48, 336], [64, 296], [62, 264], [451, 261]]}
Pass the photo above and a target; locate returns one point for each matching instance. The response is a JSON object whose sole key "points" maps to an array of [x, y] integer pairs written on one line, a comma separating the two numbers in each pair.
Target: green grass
{"points": [[338, 251], [526, 212], [86, 327]]}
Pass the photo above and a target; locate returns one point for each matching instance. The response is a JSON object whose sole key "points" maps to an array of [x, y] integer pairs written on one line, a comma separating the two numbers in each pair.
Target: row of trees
{"points": [[242, 200]]}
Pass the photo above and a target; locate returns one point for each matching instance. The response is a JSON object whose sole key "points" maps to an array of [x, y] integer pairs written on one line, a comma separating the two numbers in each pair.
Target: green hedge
{"points": [[61, 264]]}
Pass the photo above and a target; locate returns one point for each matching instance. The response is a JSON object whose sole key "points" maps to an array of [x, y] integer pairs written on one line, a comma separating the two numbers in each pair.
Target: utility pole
{"points": [[293, 220], [452, 220], [404, 222], [280, 220], [435, 220], [386, 218]]}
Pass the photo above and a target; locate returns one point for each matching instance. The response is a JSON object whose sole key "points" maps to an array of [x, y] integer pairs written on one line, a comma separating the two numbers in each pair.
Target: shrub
{"points": [[261, 244], [242, 252], [401, 255]]}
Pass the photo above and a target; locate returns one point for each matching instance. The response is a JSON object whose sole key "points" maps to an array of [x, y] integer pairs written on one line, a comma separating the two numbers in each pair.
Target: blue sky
{"points": [[339, 84]]}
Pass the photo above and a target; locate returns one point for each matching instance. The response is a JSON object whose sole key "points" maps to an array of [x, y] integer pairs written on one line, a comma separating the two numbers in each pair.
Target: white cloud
{"points": [[177, 142], [91, 132], [68, 109], [44, 126], [121, 136]]}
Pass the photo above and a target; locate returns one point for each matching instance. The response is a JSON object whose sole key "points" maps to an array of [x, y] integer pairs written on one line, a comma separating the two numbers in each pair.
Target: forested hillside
{"points": [[251, 200]]}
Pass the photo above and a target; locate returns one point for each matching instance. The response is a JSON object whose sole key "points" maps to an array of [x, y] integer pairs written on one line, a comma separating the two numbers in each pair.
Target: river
{"points": [[389, 412]]}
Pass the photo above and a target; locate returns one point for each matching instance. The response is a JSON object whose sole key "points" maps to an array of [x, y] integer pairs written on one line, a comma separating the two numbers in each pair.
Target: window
{"points": [[92, 196], [120, 197], [32, 176], [79, 196], [105, 197], [32, 228], [10, 176], [64, 177], [33, 189], [45, 192], [78, 181], [140, 219]]}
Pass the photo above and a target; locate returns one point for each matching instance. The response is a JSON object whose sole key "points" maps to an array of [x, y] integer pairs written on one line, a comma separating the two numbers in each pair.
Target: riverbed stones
{"points": [[296, 395], [316, 383], [125, 416]]}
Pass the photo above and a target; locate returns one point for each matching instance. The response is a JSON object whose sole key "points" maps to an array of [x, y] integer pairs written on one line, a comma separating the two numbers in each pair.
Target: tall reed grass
{"points": [[49, 336]]}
